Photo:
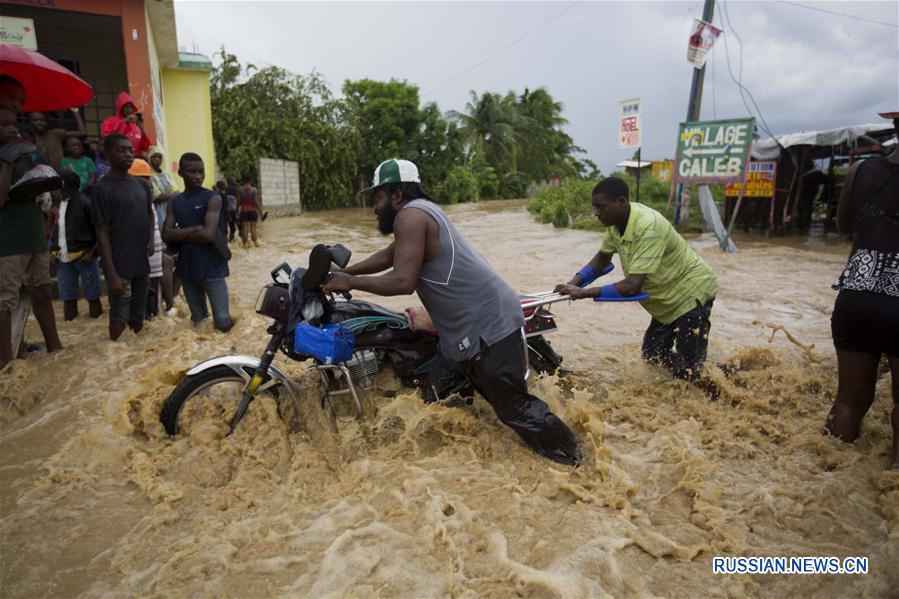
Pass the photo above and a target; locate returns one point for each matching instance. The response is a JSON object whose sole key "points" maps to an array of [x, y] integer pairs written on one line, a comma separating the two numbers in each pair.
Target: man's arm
{"points": [[206, 233], [411, 231], [172, 235], [93, 173], [81, 131], [151, 244], [377, 262], [116, 285], [164, 198], [647, 255], [597, 263], [628, 286], [845, 218], [100, 216], [5, 178]]}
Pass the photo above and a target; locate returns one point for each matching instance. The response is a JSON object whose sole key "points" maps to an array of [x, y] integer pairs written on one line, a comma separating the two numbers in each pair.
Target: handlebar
{"points": [[346, 294]]}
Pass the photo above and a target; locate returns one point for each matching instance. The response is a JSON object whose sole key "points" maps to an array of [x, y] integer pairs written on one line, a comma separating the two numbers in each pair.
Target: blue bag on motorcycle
{"points": [[330, 344]]}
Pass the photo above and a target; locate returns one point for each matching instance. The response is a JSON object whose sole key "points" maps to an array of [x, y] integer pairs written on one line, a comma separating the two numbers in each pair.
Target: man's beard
{"points": [[385, 220]]}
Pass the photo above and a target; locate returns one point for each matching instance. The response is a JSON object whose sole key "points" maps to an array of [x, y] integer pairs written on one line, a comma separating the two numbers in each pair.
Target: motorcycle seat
{"points": [[420, 321]]}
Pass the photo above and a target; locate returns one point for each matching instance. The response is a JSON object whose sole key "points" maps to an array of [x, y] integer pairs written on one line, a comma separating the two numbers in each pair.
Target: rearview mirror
{"points": [[340, 255]]}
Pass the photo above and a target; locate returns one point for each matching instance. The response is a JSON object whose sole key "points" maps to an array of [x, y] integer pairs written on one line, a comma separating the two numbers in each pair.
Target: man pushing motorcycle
{"points": [[476, 313]]}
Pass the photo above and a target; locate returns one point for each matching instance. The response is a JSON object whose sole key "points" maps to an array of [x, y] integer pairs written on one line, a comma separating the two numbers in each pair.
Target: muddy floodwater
{"points": [[420, 501]]}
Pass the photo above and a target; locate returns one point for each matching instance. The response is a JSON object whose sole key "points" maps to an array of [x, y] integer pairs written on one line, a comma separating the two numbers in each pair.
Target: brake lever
{"points": [[346, 294]]}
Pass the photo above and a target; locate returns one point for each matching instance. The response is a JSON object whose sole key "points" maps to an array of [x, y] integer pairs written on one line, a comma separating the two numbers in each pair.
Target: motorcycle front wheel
{"points": [[214, 395]]}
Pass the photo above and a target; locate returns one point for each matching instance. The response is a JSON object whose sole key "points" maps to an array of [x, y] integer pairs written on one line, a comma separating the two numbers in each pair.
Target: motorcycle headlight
{"points": [[260, 300], [274, 301]]}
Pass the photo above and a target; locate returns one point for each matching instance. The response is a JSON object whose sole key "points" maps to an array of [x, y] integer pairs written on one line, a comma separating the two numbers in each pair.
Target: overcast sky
{"points": [[806, 69]]}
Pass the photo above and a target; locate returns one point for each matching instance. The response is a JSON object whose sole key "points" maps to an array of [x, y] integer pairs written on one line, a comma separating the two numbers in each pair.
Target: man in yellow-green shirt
{"points": [[656, 260]]}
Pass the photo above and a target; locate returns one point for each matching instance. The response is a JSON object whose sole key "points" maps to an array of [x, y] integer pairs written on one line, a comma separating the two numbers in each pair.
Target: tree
{"points": [[520, 137], [385, 116], [390, 124], [502, 143], [488, 126], [546, 150], [440, 147], [273, 113]]}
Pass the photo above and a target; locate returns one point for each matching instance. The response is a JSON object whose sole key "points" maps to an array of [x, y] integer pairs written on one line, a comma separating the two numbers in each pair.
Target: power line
{"points": [[739, 78], [714, 101], [501, 50], [839, 14]]}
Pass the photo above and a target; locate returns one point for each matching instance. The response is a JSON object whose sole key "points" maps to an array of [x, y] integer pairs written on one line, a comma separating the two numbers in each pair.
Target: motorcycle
{"points": [[406, 341]]}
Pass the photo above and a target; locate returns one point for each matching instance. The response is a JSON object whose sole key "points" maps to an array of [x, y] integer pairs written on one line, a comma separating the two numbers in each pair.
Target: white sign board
{"points": [[18, 32], [629, 123]]}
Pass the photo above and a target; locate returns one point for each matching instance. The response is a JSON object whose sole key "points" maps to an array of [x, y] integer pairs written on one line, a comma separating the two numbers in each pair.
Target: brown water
{"points": [[414, 500]]}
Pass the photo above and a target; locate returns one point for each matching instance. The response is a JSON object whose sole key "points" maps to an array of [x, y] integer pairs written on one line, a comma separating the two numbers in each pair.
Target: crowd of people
{"points": [[114, 209]]}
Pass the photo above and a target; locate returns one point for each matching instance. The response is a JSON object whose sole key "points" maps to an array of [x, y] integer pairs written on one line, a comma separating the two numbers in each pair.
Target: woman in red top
{"points": [[250, 206], [125, 122]]}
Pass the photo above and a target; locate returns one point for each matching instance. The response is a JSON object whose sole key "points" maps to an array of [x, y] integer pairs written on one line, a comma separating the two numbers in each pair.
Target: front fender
{"points": [[242, 364]]}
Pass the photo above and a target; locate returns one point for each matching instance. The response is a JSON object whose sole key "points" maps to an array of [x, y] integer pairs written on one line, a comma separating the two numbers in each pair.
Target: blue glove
{"points": [[589, 274], [610, 293]]}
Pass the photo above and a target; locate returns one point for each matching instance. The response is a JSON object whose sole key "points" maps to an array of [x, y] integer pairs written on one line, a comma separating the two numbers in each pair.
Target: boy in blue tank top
{"points": [[193, 220]]}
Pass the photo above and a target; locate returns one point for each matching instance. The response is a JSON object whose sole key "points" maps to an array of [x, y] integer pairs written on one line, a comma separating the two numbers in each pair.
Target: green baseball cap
{"points": [[394, 170]]}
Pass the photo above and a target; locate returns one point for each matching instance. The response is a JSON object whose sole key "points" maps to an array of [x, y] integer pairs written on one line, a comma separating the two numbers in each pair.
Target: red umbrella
{"points": [[48, 85]]}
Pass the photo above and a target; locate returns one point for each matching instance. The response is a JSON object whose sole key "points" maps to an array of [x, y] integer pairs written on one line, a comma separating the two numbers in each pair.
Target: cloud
{"points": [[806, 69]]}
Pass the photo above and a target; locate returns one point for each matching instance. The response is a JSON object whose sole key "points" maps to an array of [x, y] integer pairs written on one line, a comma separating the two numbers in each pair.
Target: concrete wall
{"points": [[279, 184], [188, 119]]}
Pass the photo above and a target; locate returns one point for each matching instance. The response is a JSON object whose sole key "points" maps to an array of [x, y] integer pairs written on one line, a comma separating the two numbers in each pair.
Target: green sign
{"points": [[713, 151]]}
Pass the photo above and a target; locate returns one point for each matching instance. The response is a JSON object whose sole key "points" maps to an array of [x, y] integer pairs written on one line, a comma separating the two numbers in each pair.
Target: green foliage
{"points": [[461, 185], [496, 148], [545, 150], [521, 138], [515, 185], [488, 129], [488, 183], [563, 205], [276, 114], [439, 147], [386, 117], [570, 204], [390, 123]]}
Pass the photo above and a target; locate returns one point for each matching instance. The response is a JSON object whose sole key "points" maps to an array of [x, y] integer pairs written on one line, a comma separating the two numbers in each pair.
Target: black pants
{"points": [[498, 374], [681, 346]]}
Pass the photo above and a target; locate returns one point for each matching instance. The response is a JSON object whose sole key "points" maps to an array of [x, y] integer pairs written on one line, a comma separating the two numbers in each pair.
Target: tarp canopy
{"points": [[767, 149]]}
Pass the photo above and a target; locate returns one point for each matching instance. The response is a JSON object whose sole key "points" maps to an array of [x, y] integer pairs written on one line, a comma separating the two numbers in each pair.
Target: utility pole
{"points": [[695, 104]]}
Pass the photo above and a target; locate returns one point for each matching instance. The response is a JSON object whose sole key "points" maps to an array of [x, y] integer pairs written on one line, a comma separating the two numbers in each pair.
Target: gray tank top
{"points": [[464, 296]]}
